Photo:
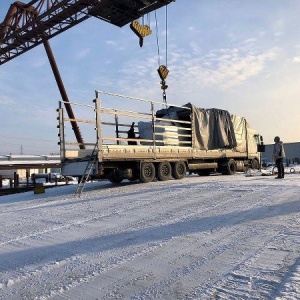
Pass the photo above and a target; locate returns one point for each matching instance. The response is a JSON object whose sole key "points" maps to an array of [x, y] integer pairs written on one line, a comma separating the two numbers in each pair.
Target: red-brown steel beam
{"points": [[63, 94], [21, 31], [7, 22], [30, 11]]}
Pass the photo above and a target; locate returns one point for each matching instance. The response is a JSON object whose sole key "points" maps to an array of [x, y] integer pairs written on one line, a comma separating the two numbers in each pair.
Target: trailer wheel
{"points": [[135, 175], [114, 178], [230, 168], [164, 171], [179, 170], [255, 164], [147, 172]]}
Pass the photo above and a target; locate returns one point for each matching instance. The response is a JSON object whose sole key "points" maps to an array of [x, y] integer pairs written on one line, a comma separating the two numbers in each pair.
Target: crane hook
{"points": [[140, 30]]}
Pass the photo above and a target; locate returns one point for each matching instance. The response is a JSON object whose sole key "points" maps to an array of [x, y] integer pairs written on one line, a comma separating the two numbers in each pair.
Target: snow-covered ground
{"points": [[216, 237]]}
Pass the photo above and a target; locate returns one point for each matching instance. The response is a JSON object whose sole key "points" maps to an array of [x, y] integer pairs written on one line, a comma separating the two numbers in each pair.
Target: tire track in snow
{"points": [[68, 273], [146, 221], [185, 269], [178, 213], [122, 207], [259, 276], [158, 288]]}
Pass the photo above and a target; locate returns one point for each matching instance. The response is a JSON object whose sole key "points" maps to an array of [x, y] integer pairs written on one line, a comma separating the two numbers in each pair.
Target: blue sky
{"points": [[242, 56]]}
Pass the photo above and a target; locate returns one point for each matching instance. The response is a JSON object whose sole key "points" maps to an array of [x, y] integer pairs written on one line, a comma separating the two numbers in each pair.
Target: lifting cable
{"points": [[162, 69], [143, 30]]}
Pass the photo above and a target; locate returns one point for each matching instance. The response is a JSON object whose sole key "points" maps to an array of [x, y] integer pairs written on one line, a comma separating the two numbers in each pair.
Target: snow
{"points": [[215, 237], [5, 182]]}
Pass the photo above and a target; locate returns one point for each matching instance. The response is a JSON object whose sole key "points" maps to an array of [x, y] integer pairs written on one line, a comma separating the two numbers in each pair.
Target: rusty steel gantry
{"points": [[29, 25]]}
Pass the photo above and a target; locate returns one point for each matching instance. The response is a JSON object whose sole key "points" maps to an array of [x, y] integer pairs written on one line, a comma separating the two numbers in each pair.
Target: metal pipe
{"points": [[201, 166], [63, 93]]}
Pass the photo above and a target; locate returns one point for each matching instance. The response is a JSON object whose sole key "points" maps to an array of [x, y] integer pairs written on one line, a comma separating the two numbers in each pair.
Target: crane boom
{"points": [[28, 25]]}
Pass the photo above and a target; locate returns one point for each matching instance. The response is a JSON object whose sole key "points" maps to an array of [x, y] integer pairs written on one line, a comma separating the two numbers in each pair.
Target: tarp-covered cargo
{"points": [[211, 128]]}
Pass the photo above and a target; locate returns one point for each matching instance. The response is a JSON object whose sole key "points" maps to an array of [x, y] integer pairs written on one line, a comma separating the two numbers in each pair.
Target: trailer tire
{"points": [[135, 175], [147, 172], [179, 170], [230, 168], [114, 178], [255, 164], [164, 171]]}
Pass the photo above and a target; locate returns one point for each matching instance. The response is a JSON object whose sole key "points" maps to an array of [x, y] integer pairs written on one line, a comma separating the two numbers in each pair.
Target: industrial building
{"points": [[25, 165], [292, 152]]}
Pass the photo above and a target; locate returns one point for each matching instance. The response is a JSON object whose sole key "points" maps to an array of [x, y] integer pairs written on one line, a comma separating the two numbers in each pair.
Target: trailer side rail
{"points": [[109, 126]]}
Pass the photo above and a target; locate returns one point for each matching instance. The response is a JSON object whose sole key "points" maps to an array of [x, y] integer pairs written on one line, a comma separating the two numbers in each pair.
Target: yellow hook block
{"points": [[140, 30], [163, 72]]}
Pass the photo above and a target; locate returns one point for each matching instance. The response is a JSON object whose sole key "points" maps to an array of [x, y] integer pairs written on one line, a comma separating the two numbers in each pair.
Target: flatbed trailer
{"points": [[170, 147]]}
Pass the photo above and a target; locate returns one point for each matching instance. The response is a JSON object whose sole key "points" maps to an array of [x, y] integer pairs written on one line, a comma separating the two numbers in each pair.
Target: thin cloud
{"points": [[195, 47], [40, 61], [114, 44], [6, 100], [296, 59], [278, 34], [222, 68], [83, 53], [225, 67], [250, 40], [111, 43]]}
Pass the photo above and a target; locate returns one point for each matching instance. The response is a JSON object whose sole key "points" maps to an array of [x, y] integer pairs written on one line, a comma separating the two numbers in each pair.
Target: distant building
{"points": [[25, 165], [292, 152]]}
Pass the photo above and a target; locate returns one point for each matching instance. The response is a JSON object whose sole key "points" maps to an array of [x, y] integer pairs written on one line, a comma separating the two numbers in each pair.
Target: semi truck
{"points": [[142, 140]]}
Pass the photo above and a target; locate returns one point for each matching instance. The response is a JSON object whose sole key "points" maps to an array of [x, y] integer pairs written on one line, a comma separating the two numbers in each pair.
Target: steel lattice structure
{"points": [[28, 25]]}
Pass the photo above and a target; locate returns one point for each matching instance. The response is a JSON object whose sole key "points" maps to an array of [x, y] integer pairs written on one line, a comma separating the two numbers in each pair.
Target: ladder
{"points": [[87, 172]]}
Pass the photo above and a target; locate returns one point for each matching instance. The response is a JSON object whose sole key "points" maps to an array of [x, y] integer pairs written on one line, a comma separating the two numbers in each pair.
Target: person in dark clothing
{"points": [[131, 135], [278, 156]]}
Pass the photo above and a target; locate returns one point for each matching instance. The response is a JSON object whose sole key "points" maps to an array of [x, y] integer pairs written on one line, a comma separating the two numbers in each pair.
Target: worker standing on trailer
{"points": [[131, 135]]}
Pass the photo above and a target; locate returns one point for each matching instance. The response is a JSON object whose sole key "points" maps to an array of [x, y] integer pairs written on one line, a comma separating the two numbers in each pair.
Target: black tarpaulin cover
{"points": [[212, 128]]}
